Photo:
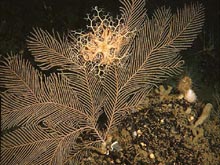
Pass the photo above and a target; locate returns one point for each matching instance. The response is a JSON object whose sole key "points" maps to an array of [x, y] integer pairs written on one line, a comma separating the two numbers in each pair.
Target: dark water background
{"points": [[18, 17]]}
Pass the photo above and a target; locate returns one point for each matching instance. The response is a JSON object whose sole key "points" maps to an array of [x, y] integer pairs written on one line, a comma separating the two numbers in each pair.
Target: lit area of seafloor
{"points": [[166, 128]]}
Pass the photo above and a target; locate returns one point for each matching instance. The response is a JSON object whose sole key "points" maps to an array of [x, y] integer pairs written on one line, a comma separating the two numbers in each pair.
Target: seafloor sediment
{"points": [[162, 131]]}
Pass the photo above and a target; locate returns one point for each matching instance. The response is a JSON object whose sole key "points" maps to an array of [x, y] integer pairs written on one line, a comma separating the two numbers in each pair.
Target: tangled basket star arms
{"points": [[59, 118], [103, 43]]}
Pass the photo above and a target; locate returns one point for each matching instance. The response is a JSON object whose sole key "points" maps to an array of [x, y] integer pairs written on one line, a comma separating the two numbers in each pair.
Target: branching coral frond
{"points": [[185, 26], [16, 80], [24, 87], [48, 124], [28, 93], [133, 13], [153, 59], [51, 52], [36, 146], [88, 89]]}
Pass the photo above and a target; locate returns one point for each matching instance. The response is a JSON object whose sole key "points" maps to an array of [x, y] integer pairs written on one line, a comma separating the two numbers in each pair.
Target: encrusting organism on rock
{"points": [[185, 88]]}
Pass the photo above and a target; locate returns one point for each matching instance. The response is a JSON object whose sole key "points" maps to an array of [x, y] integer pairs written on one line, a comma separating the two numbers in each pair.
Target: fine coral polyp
{"points": [[102, 44]]}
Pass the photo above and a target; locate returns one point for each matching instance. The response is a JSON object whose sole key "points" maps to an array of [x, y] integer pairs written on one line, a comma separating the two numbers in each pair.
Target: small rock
{"points": [[152, 156], [143, 144]]}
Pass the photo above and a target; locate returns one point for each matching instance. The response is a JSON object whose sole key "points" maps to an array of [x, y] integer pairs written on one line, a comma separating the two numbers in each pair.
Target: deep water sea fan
{"points": [[102, 75]]}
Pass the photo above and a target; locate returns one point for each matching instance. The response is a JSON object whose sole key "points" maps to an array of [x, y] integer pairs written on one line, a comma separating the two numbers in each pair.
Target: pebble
{"points": [[139, 133], [152, 156], [191, 118], [162, 121], [143, 144]]}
